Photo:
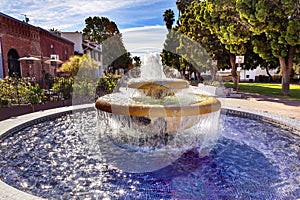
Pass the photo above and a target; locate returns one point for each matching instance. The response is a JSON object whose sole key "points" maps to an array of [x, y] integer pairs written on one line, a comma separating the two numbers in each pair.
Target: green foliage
{"points": [[169, 54], [192, 26], [63, 86], [71, 67], [105, 32], [270, 29], [279, 23], [99, 29], [35, 94], [15, 90], [108, 82], [83, 90], [222, 19], [169, 18]]}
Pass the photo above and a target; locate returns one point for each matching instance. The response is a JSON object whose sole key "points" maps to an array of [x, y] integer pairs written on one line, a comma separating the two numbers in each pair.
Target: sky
{"points": [[140, 21]]}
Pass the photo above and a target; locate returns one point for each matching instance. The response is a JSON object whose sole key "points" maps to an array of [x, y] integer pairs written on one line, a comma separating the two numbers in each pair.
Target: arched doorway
{"points": [[13, 63]]}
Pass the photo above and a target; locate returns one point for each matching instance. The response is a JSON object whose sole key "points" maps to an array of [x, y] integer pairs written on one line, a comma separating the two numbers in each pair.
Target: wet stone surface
{"points": [[251, 160]]}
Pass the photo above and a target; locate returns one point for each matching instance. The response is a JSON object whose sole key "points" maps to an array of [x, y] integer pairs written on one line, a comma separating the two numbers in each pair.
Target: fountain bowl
{"points": [[209, 105]]}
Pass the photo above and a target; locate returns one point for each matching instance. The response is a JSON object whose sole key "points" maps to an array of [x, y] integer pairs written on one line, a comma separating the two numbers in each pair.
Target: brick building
{"points": [[19, 39]]}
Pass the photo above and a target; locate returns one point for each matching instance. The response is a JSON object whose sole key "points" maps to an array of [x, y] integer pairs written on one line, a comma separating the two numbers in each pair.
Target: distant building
{"points": [[19, 39], [82, 46], [246, 75], [254, 74], [76, 38]]}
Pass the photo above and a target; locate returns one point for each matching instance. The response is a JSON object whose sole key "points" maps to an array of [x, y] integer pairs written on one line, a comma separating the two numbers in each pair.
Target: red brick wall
{"points": [[27, 39], [51, 44]]}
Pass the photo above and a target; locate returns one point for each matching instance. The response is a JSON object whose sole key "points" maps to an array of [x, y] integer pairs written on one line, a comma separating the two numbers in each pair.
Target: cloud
{"points": [[144, 39], [69, 15], [140, 21]]}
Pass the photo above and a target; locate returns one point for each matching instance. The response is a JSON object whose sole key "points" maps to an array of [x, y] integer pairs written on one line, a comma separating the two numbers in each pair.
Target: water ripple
{"points": [[252, 160]]}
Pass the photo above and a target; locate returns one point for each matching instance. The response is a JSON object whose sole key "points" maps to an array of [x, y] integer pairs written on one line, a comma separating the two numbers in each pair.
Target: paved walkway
{"points": [[288, 108]]}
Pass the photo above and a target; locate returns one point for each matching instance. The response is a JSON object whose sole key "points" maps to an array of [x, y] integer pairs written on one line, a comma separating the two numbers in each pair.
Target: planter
{"points": [[17, 110], [212, 90]]}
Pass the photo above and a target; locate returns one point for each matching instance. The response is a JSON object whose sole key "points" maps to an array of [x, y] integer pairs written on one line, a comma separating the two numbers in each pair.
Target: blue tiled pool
{"points": [[251, 160]]}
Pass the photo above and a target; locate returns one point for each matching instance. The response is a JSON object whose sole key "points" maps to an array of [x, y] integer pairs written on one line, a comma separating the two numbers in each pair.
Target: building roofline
{"points": [[36, 27]]}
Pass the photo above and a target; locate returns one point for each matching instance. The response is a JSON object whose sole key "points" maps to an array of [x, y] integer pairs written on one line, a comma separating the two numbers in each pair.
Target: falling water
{"points": [[147, 143]]}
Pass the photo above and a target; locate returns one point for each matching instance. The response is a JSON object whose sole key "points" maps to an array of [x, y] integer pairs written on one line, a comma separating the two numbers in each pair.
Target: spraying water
{"points": [[152, 120]]}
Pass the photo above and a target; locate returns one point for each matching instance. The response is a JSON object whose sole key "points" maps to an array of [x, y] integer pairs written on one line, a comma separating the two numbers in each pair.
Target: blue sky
{"points": [[140, 21]]}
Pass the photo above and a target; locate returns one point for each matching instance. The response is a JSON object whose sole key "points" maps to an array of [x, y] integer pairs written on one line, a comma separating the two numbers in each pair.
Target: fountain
{"points": [[159, 116]]}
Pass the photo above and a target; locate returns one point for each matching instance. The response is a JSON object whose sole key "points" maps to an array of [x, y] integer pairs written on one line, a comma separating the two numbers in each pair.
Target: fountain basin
{"points": [[236, 168], [172, 117], [166, 83], [208, 105]]}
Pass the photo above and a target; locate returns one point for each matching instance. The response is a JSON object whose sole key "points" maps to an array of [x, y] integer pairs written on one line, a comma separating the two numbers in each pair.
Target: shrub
{"points": [[63, 86], [108, 83], [19, 91]]}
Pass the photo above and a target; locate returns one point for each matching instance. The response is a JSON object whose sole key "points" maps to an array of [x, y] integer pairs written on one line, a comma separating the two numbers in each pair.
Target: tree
{"points": [[169, 56], [83, 64], [137, 61], [279, 23], [105, 32], [192, 27], [169, 18], [182, 5], [222, 19], [55, 31], [99, 29]]}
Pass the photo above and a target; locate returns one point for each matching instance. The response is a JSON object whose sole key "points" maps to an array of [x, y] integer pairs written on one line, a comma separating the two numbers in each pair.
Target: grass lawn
{"points": [[268, 89]]}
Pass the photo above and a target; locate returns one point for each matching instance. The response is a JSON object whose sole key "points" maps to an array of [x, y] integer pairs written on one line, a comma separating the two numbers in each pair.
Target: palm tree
{"points": [[169, 18], [55, 31], [137, 61]]}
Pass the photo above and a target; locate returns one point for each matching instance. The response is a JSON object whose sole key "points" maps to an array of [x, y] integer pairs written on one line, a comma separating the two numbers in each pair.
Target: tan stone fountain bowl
{"points": [[175, 117], [179, 115], [160, 85], [207, 106]]}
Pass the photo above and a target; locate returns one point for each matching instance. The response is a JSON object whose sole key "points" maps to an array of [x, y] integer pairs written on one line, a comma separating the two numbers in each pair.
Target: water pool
{"points": [[251, 160]]}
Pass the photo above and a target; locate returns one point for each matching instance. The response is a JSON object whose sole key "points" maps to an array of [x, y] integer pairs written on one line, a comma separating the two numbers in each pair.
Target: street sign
{"points": [[239, 59]]}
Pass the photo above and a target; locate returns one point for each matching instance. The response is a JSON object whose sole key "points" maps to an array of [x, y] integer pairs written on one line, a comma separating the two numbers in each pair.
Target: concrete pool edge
{"points": [[15, 124], [12, 125], [280, 120]]}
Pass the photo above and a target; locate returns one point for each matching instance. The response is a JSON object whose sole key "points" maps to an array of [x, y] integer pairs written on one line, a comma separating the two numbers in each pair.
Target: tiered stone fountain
{"points": [[151, 113]]}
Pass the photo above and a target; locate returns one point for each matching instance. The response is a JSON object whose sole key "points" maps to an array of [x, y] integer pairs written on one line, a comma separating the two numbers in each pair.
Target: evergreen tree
{"points": [[105, 32], [278, 22]]}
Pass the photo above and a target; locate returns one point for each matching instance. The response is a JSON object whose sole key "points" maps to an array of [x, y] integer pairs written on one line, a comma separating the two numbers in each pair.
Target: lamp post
{"points": [[53, 61], [29, 61]]}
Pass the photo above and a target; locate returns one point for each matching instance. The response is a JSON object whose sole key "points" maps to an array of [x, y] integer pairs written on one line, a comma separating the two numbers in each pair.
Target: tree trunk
{"points": [[286, 68], [285, 80], [198, 76], [213, 71], [233, 73], [268, 72]]}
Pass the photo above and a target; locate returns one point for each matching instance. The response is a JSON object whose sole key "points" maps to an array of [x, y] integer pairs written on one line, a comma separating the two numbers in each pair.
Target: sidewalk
{"points": [[288, 108]]}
